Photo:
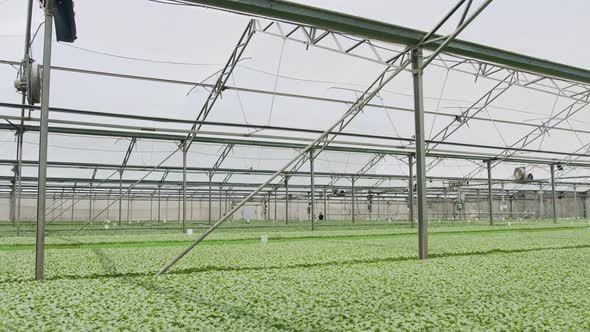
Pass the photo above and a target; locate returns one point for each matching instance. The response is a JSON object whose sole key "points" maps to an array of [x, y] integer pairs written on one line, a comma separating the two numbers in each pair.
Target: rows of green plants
{"points": [[542, 290], [277, 232], [109, 228], [146, 259]]}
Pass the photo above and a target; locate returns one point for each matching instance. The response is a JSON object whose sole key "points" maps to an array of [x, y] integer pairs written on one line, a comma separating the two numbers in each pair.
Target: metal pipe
{"points": [[325, 205], [286, 200], [120, 195], [312, 192], [417, 75], [21, 132], [210, 210], [43, 137], [73, 201], [184, 152], [454, 34], [353, 200], [553, 202], [108, 204], [411, 189], [159, 203], [90, 203], [220, 206], [490, 202], [575, 203], [192, 200]]}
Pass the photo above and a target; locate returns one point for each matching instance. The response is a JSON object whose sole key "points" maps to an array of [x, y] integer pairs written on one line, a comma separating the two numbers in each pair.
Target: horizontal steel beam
{"points": [[375, 30], [399, 151]]}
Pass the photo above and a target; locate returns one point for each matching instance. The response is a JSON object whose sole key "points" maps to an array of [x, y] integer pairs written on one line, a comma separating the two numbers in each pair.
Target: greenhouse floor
{"points": [[528, 275]]}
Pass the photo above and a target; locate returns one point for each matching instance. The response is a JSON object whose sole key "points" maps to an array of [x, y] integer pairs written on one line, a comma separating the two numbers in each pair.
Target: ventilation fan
{"points": [[520, 174]]}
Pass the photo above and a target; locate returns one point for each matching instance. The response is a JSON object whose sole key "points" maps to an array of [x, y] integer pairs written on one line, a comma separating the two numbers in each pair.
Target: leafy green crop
{"points": [[479, 281]]}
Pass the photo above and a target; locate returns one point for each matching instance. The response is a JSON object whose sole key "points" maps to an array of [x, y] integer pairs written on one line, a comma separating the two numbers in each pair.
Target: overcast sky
{"points": [[553, 30]]}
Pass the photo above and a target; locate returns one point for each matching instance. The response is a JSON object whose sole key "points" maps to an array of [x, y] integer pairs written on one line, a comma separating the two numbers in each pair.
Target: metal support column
{"points": [[108, 205], [73, 201], [312, 192], [159, 202], [90, 203], [275, 215], [553, 202], [286, 200], [575, 203], [43, 136], [325, 205], [129, 197], [490, 203], [353, 200], [120, 196], [477, 204], [184, 151], [417, 74], [220, 208], [411, 190], [210, 208]]}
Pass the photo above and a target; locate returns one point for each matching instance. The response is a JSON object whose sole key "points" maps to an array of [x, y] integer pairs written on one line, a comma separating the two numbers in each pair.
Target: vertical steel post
{"points": [[210, 208], [12, 198], [411, 190], [108, 204], [43, 137], [152, 207], [73, 201], [184, 151], [575, 203], [159, 202], [477, 204], [553, 193], [540, 208], [225, 203], [129, 197], [120, 196], [220, 208], [490, 203], [90, 203], [353, 200], [325, 205], [21, 132], [179, 206], [192, 209], [275, 215], [510, 203], [417, 74], [286, 200], [312, 192]]}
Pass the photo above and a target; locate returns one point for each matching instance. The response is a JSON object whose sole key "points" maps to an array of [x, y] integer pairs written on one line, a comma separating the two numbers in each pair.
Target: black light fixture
{"points": [[559, 167], [65, 23]]}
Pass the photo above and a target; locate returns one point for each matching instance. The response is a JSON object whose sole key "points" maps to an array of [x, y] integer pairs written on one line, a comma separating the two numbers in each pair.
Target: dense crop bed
{"points": [[514, 280]]}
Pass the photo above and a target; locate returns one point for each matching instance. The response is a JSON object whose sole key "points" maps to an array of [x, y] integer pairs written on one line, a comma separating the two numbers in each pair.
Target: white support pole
{"points": [[184, 152], [353, 201], [312, 192], [553, 202], [411, 190], [490, 202], [43, 137], [417, 74]]}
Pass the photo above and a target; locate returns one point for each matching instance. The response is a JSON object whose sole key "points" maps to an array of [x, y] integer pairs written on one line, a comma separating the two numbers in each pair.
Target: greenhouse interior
{"points": [[272, 165]]}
